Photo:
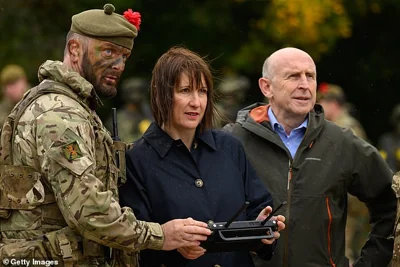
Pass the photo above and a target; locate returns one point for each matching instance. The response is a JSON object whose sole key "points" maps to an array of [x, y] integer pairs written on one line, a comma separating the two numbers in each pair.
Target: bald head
{"points": [[281, 56], [289, 82]]}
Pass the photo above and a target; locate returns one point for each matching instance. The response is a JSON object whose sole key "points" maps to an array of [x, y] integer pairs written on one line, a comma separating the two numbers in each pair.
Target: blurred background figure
{"points": [[14, 84], [134, 117], [389, 143], [333, 100], [232, 92]]}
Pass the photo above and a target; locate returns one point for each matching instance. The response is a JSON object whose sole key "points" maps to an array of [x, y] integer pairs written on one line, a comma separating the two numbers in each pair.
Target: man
{"points": [[13, 85], [59, 178], [233, 90], [312, 164], [135, 112], [332, 98]]}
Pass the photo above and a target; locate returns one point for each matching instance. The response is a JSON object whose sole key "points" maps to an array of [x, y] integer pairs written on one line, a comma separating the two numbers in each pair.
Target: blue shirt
{"points": [[293, 140]]}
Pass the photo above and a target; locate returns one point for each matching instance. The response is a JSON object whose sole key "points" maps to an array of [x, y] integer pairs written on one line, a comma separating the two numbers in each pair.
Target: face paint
{"points": [[103, 64]]}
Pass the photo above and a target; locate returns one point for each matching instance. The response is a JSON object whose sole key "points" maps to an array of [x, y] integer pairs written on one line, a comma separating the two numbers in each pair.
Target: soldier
{"points": [[14, 84], [135, 113], [233, 90], [396, 246], [332, 99], [389, 143], [59, 179]]}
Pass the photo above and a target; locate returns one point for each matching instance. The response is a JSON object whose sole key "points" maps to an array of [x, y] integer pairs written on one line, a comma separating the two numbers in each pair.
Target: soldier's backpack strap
{"points": [[24, 178], [10, 124]]}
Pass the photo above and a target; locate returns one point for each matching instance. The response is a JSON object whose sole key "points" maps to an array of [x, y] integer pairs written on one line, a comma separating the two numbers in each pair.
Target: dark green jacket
{"points": [[330, 162]]}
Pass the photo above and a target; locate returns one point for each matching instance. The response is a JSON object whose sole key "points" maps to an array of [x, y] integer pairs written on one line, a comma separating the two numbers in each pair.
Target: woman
{"points": [[181, 167]]}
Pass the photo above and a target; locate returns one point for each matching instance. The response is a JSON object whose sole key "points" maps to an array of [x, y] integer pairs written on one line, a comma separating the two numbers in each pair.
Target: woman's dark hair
{"points": [[166, 77]]}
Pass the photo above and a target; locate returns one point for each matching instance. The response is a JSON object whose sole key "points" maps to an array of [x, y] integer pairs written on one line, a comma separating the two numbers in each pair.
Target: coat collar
{"points": [[162, 142]]}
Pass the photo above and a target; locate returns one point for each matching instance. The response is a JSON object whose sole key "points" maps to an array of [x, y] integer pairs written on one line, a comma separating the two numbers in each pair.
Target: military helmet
{"points": [[331, 92], [134, 89], [233, 84], [11, 73]]}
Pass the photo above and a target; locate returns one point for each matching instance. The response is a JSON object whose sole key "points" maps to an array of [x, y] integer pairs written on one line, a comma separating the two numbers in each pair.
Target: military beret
{"points": [[106, 25], [331, 92], [11, 73]]}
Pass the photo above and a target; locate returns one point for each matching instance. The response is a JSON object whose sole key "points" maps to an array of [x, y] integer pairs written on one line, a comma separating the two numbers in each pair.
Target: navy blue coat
{"points": [[210, 182]]}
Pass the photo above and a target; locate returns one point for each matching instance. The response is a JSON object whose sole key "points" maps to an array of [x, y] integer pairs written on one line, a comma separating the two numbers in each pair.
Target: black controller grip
{"points": [[241, 235]]}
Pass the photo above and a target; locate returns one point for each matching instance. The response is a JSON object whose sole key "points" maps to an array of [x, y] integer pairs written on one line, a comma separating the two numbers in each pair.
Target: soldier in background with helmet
{"points": [[332, 99], [232, 91], [59, 176], [135, 113], [14, 84], [389, 143]]}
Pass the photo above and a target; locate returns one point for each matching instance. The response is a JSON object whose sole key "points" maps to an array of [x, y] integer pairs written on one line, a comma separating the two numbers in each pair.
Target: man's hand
{"points": [[281, 225], [192, 253], [184, 233]]}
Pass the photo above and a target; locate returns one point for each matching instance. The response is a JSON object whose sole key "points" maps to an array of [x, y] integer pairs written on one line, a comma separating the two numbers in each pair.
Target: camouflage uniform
{"points": [[396, 247], [233, 90], [5, 109], [136, 112], [8, 75], [345, 120], [58, 186], [389, 143]]}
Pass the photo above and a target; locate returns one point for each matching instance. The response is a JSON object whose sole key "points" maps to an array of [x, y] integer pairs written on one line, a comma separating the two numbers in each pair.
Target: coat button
{"points": [[199, 183]]}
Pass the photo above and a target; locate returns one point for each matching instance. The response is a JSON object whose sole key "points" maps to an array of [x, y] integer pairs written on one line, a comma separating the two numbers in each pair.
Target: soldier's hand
{"points": [[191, 253], [184, 233]]}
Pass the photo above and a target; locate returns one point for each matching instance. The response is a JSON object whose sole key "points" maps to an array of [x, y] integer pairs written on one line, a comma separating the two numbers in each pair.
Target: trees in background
{"points": [[353, 41]]}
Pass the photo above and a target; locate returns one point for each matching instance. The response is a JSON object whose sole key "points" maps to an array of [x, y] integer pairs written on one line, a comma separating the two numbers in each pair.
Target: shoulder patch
{"points": [[72, 151]]}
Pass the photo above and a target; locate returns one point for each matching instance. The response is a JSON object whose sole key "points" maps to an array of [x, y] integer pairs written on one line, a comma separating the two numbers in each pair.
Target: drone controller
{"points": [[239, 235]]}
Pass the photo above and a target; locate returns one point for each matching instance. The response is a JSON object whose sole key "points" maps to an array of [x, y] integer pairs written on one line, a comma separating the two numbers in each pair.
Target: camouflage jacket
{"points": [[5, 108], [64, 140], [396, 246], [345, 120]]}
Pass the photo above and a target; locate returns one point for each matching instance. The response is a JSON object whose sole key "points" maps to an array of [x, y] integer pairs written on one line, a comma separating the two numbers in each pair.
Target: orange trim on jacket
{"points": [[329, 232], [260, 114]]}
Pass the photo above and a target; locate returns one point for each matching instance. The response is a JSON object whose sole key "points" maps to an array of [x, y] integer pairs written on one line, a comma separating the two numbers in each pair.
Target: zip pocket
{"points": [[329, 232]]}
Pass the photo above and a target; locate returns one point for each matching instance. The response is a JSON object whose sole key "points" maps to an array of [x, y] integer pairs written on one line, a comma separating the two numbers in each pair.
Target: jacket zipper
{"points": [[329, 232], [289, 191]]}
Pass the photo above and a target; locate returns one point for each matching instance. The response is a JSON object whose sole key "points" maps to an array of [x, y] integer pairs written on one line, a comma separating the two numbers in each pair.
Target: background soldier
{"points": [[59, 179], [389, 143], [396, 246], [135, 113], [333, 100], [13, 85], [232, 91]]}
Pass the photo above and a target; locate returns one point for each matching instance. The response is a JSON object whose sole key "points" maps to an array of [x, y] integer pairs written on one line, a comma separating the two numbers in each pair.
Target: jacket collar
{"points": [[254, 118], [59, 72], [162, 142]]}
